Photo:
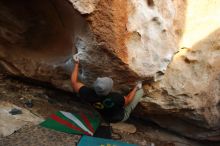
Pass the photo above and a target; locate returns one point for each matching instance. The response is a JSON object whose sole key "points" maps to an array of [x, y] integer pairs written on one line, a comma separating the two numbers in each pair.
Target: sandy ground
{"points": [[47, 100]]}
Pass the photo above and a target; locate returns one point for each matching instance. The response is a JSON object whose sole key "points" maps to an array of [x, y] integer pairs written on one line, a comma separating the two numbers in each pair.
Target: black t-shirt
{"points": [[111, 107]]}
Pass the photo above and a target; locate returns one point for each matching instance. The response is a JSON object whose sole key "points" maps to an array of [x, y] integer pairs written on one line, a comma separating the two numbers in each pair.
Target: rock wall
{"points": [[187, 99], [108, 35], [139, 37], [127, 40], [36, 39]]}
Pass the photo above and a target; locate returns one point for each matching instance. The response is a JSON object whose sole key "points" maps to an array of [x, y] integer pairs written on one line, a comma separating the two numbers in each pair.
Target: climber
{"points": [[112, 106]]}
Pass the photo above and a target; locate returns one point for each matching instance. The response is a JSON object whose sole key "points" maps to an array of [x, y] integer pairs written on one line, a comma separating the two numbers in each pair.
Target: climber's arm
{"points": [[130, 96], [74, 77]]}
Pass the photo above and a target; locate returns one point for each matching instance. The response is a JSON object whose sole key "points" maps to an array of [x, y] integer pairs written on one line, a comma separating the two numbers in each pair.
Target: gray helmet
{"points": [[103, 86]]}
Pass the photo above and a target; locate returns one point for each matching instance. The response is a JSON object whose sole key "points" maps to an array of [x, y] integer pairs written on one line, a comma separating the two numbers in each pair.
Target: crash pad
{"points": [[72, 123], [93, 141], [9, 123]]}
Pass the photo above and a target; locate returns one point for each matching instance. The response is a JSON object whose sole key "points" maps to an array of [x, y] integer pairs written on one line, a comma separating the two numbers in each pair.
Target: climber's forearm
{"points": [[74, 78], [130, 96]]}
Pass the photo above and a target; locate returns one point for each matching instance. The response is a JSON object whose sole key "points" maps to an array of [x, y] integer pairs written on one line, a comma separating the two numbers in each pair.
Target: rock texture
{"points": [[127, 40], [201, 20], [114, 39], [187, 99], [36, 39], [84, 6], [136, 40]]}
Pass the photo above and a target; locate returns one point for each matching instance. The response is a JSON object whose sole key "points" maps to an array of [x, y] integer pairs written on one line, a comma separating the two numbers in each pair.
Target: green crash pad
{"points": [[93, 141], [82, 124]]}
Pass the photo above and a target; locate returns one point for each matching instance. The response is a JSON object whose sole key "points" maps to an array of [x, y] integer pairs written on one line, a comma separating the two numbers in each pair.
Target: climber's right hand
{"points": [[139, 85], [76, 58]]}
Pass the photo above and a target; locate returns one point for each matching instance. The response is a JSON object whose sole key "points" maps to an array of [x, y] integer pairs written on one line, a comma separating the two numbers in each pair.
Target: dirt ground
{"points": [[47, 100]]}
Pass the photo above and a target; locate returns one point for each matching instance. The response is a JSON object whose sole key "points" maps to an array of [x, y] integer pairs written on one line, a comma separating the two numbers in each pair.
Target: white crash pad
{"points": [[11, 123]]}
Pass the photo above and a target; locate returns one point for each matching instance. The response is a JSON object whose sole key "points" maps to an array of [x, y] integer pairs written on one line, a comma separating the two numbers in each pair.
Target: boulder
{"points": [[36, 39], [113, 38], [127, 40], [118, 41], [187, 99]]}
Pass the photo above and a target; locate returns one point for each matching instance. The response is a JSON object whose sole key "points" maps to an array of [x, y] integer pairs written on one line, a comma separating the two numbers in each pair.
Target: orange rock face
{"points": [[108, 23]]}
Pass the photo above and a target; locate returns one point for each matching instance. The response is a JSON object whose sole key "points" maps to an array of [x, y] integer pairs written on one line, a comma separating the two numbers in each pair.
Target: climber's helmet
{"points": [[103, 86]]}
